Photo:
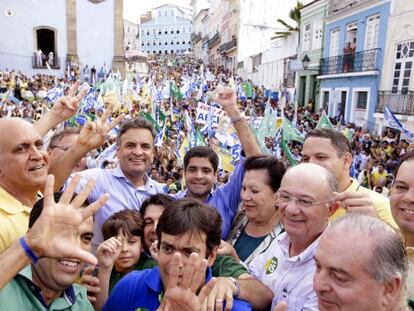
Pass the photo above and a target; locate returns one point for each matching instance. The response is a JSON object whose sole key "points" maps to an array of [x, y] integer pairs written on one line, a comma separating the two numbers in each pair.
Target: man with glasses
{"points": [[305, 201]]}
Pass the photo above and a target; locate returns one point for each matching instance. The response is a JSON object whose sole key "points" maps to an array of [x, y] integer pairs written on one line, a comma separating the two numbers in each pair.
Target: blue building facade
{"points": [[169, 31], [350, 70]]}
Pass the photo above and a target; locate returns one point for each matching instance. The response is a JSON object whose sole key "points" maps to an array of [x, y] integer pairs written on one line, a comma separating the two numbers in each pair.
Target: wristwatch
{"points": [[237, 284]]}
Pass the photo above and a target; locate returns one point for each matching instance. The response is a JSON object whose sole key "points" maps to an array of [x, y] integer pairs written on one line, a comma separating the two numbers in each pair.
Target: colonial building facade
{"points": [[85, 32], [168, 31]]}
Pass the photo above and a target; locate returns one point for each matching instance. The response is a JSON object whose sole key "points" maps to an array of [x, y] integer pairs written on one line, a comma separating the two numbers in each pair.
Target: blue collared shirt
{"points": [[123, 194], [225, 199], [144, 289]]}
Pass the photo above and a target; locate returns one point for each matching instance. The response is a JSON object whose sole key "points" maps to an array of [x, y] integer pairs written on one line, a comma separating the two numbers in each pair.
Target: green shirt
{"points": [[143, 263], [227, 266], [22, 294]]}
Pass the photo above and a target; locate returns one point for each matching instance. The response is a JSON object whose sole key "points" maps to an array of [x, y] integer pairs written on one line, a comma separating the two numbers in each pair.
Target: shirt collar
{"points": [[354, 186], [69, 293], [117, 172], [11, 205], [307, 254]]}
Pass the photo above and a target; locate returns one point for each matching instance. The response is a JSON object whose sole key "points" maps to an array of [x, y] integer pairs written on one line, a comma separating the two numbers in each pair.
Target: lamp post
{"points": [[305, 63]]}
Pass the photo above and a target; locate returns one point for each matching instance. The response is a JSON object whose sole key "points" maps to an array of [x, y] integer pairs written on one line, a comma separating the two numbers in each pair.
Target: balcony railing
{"points": [[195, 37], [213, 40], [357, 62], [223, 48], [42, 64], [231, 44], [399, 102], [336, 7]]}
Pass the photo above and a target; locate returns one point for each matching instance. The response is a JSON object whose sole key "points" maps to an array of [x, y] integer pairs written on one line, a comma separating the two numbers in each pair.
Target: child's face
{"points": [[130, 252]]}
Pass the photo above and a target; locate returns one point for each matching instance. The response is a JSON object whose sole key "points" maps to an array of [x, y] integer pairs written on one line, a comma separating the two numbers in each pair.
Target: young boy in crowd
{"points": [[120, 253]]}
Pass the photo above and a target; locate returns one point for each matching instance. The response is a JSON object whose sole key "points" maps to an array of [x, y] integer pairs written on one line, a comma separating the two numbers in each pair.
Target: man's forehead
{"points": [[86, 226], [186, 240], [200, 162]]}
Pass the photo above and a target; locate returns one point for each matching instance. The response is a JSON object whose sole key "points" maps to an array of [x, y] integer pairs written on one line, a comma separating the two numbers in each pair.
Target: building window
{"points": [[172, 42], [165, 13], [159, 13], [45, 39], [183, 42], [306, 37], [372, 32], [325, 101], [154, 31], [171, 30], [351, 33], [165, 31], [172, 14], [362, 99], [189, 42], [403, 67], [317, 35], [178, 30], [334, 43]]}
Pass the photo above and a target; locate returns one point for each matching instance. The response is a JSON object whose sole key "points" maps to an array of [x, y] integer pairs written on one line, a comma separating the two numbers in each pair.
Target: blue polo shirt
{"points": [[225, 199], [144, 289]]}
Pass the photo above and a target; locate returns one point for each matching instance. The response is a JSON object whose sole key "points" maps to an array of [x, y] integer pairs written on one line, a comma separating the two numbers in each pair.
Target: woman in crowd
{"points": [[257, 224]]}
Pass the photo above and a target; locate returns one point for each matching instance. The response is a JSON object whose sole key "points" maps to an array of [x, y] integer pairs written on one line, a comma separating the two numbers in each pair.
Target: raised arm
{"points": [[227, 98], [62, 109], [92, 135]]}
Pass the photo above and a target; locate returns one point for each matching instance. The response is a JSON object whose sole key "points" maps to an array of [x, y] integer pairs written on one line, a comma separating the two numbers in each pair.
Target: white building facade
{"points": [[72, 30], [169, 30]]}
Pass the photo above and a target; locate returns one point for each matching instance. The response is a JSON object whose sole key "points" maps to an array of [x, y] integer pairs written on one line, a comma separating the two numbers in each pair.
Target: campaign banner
{"points": [[203, 113]]}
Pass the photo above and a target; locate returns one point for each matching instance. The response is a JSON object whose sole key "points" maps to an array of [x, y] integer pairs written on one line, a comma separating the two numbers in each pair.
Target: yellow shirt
{"points": [[14, 219], [410, 278], [381, 204]]}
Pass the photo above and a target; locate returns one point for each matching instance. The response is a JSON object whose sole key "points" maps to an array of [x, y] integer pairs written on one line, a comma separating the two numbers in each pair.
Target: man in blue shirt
{"points": [[128, 184], [185, 227], [201, 165]]}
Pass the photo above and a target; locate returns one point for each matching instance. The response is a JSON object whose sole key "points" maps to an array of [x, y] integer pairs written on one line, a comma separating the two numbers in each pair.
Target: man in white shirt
{"points": [[305, 204]]}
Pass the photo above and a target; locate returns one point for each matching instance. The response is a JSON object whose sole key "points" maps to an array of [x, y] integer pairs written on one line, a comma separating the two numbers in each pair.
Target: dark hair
{"points": [[189, 215], [407, 156], [38, 207], [202, 152], [275, 169], [338, 140], [137, 123], [157, 199], [129, 221], [57, 137]]}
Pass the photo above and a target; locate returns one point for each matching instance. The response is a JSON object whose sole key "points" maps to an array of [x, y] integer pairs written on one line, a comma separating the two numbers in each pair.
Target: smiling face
{"points": [[258, 198], [402, 198], [24, 161], [340, 281], [58, 274], [199, 177], [135, 152]]}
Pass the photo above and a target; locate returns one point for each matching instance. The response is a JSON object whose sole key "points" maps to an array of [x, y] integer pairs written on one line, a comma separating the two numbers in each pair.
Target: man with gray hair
{"points": [[361, 264], [305, 202]]}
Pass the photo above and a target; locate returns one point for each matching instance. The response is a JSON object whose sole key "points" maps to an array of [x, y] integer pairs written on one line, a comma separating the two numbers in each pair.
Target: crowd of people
{"points": [[325, 223]]}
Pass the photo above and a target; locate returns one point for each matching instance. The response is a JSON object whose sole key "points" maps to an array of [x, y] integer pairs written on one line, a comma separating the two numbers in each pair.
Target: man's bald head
{"points": [[313, 172], [6, 124]]}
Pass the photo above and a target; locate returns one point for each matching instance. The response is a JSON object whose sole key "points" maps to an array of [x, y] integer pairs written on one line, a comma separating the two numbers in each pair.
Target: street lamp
{"points": [[305, 63]]}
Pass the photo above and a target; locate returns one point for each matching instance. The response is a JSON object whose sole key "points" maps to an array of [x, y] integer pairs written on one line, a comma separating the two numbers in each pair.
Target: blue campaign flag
{"points": [[53, 94], [267, 93], [392, 122], [89, 101], [275, 95]]}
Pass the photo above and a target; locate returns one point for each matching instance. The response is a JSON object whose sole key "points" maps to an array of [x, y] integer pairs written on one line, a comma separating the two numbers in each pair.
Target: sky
{"points": [[133, 8]]}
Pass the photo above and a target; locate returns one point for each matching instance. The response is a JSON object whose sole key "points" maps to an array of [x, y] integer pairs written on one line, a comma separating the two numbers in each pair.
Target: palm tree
{"points": [[294, 14]]}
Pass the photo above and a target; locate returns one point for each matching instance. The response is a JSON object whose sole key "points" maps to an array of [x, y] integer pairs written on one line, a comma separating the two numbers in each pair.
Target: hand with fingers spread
{"points": [[91, 282], [181, 291], [54, 234], [93, 134], [354, 201], [64, 108]]}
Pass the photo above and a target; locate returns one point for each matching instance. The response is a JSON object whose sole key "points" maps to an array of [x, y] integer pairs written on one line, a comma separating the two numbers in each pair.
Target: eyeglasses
{"points": [[302, 202]]}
